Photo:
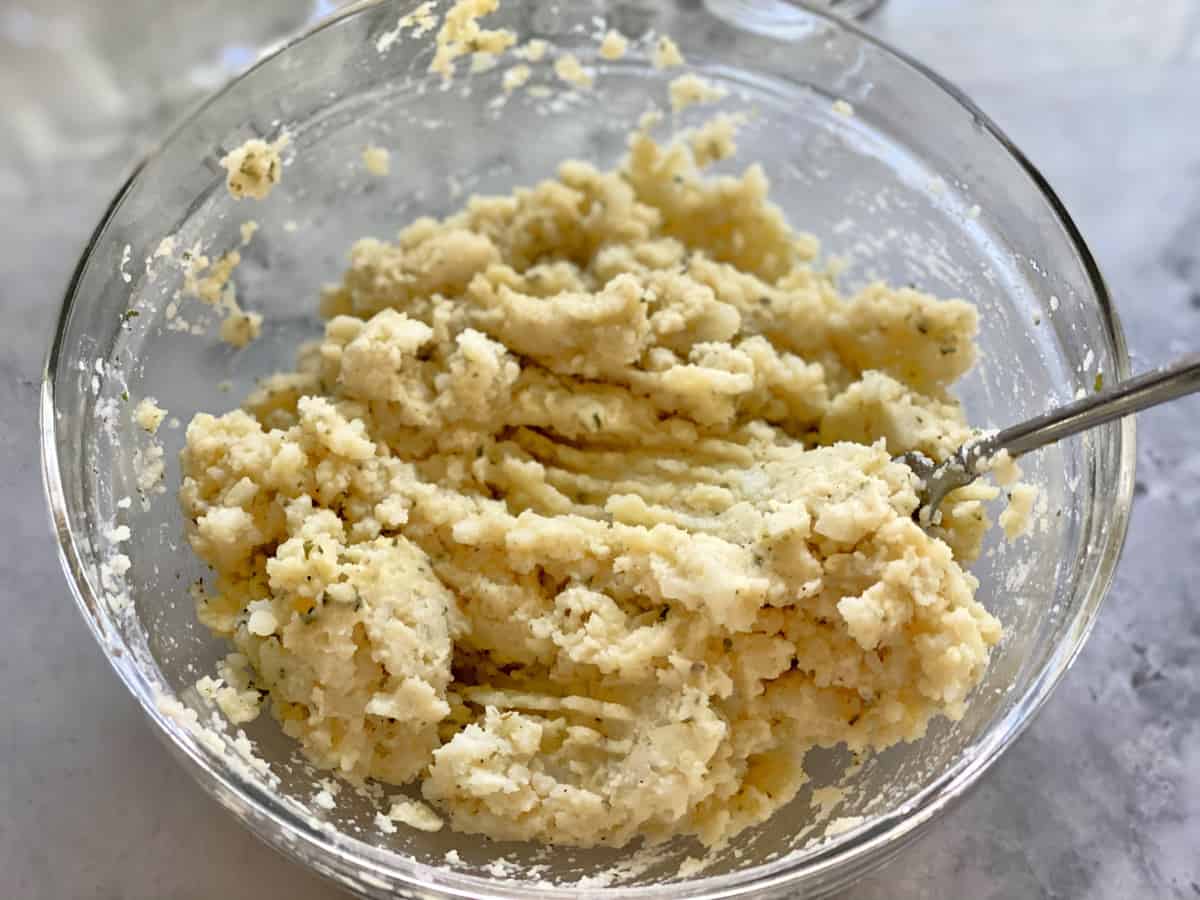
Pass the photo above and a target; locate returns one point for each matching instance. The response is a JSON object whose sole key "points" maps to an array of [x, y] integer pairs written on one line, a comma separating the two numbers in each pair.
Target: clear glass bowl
{"points": [[916, 186]]}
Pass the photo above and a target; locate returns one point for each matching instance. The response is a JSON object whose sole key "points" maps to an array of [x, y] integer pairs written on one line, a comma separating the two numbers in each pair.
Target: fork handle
{"points": [[1148, 389]]}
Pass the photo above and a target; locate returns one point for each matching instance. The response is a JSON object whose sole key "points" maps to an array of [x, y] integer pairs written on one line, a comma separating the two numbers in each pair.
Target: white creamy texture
{"points": [[582, 514]]}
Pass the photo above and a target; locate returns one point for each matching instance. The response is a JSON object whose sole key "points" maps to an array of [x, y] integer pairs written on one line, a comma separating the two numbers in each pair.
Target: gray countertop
{"points": [[1100, 798]]}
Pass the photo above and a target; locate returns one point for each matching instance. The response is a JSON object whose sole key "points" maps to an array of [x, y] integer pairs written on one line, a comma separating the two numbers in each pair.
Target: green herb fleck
{"points": [[1098, 385], [125, 396]]}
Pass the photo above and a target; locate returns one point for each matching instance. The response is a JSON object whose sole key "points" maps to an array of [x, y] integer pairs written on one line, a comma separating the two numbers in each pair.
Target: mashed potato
{"points": [[583, 513], [254, 168]]}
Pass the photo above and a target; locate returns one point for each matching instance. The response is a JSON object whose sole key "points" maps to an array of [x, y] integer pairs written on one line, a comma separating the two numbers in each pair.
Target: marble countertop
{"points": [[1099, 799]]}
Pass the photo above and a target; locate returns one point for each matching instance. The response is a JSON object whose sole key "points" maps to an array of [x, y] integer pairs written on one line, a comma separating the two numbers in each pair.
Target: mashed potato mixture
{"points": [[583, 516]]}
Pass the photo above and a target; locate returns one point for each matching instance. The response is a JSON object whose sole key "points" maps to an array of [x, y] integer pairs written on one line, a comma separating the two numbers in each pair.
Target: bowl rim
{"points": [[341, 857]]}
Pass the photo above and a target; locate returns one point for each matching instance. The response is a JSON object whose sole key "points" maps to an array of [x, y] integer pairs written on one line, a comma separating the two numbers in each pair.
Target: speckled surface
{"points": [[1100, 798]]}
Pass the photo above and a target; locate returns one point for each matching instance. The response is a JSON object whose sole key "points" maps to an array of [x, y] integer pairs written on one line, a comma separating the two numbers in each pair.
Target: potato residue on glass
{"points": [[583, 515], [254, 168]]}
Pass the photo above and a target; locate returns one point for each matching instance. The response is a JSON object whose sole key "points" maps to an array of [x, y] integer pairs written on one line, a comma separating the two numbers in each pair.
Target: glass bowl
{"points": [[916, 186]]}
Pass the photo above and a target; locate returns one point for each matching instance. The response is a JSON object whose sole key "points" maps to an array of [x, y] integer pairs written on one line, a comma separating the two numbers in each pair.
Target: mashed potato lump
{"points": [[583, 516]]}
